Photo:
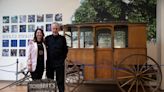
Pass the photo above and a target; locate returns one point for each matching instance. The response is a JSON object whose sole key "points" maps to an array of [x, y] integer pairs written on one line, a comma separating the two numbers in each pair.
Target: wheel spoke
{"points": [[147, 69], [137, 85], [143, 88], [147, 78], [126, 71], [131, 86], [126, 82], [125, 77], [143, 66], [150, 73]]}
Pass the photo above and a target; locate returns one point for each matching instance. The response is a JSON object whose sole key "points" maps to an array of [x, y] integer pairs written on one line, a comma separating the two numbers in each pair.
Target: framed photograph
{"points": [[22, 52], [13, 43], [31, 28], [40, 26], [31, 18], [14, 28], [22, 43], [22, 28], [5, 43], [5, 52], [6, 29], [40, 18], [48, 27], [49, 17], [14, 19], [28, 41], [13, 52], [58, 17], [22, 19], [6, 19]]}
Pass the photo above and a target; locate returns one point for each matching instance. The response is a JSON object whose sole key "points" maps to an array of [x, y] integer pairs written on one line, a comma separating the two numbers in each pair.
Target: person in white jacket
{"points": [[37, 55]]}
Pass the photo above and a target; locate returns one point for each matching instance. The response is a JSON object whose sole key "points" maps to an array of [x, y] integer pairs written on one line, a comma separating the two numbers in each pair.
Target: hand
{"points": [[30, 68]]}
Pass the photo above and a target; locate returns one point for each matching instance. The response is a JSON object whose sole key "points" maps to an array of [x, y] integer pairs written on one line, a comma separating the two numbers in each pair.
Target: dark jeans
{"points": [[37, 74], [59, 75]]}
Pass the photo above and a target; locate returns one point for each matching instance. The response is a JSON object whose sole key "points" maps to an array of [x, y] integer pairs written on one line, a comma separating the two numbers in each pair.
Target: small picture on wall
{"points": [[5, 52], [22, 18], [22, 28], [40, 18], [40, 27], [13, 52], [6, 29], [22, 52], [49, 17], [6, 19], [31, 28], [14, 28], [48, 27], [5, 43], [31, 18], [29, 40], [13, 43], [22, 43], [14, 19], [58, 17]]}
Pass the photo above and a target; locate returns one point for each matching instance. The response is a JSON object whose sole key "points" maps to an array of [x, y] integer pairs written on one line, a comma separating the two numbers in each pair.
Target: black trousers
{"points": [[59, 75], [38, 73]]}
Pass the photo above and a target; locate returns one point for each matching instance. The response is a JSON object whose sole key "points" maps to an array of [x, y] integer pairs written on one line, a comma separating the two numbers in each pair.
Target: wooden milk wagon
{"points": [[104, 52]]}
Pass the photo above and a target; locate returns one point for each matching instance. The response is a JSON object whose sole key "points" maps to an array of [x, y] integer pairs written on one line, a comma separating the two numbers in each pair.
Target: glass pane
{"points": [[86, 37], [104, 38], [68, 38], [72, 37], [120, 37]]}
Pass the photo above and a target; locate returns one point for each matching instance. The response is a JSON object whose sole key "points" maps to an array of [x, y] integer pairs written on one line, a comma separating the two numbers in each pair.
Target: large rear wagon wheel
{"points": [[138, 73]]}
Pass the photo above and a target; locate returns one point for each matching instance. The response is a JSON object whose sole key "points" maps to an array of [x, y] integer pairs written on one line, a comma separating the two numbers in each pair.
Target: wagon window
{"points": [[72, 37], [86, 37], [121, 37], [104, 38]]}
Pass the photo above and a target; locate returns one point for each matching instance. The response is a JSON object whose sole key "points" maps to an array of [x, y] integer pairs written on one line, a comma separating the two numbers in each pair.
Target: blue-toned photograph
{"points": [[13, 43], [14, 28], [22, 43], [5, 43], [14, 19], [5, 29], [22, 52], [40, 26], [13, 52], [22, 28], [6, 19], [31, 28], [48, 27], [40, 18], [58, 17], [49, 17], [5, 52], [31, 18], [22, 18]]}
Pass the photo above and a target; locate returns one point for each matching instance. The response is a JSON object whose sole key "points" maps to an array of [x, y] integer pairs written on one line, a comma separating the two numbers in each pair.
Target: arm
{"points": [[29, 63], [65, 48]]}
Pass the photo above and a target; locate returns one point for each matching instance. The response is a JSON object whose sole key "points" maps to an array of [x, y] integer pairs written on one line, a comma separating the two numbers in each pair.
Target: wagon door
{"points": [[104, 53]]}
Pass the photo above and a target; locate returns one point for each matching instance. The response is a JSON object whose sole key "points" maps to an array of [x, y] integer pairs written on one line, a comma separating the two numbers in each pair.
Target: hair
{"points": [[60, 26], [56, 23], [35, 38]]}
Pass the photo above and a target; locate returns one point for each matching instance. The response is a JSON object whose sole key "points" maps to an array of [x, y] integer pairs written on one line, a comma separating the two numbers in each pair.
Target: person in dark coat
{"points": [[56, 55]]}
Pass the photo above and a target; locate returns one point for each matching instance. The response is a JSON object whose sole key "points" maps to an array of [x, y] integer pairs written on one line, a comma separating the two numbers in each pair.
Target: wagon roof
{"points": [[106, 23]]}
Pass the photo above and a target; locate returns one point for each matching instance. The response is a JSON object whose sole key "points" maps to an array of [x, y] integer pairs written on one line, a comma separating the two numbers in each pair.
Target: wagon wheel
{"points": [[73, 78], [138, 73]]}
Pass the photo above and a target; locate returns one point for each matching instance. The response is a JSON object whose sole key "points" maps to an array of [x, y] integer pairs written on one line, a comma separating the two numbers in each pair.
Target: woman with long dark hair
{"points": [[37, 55]]}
